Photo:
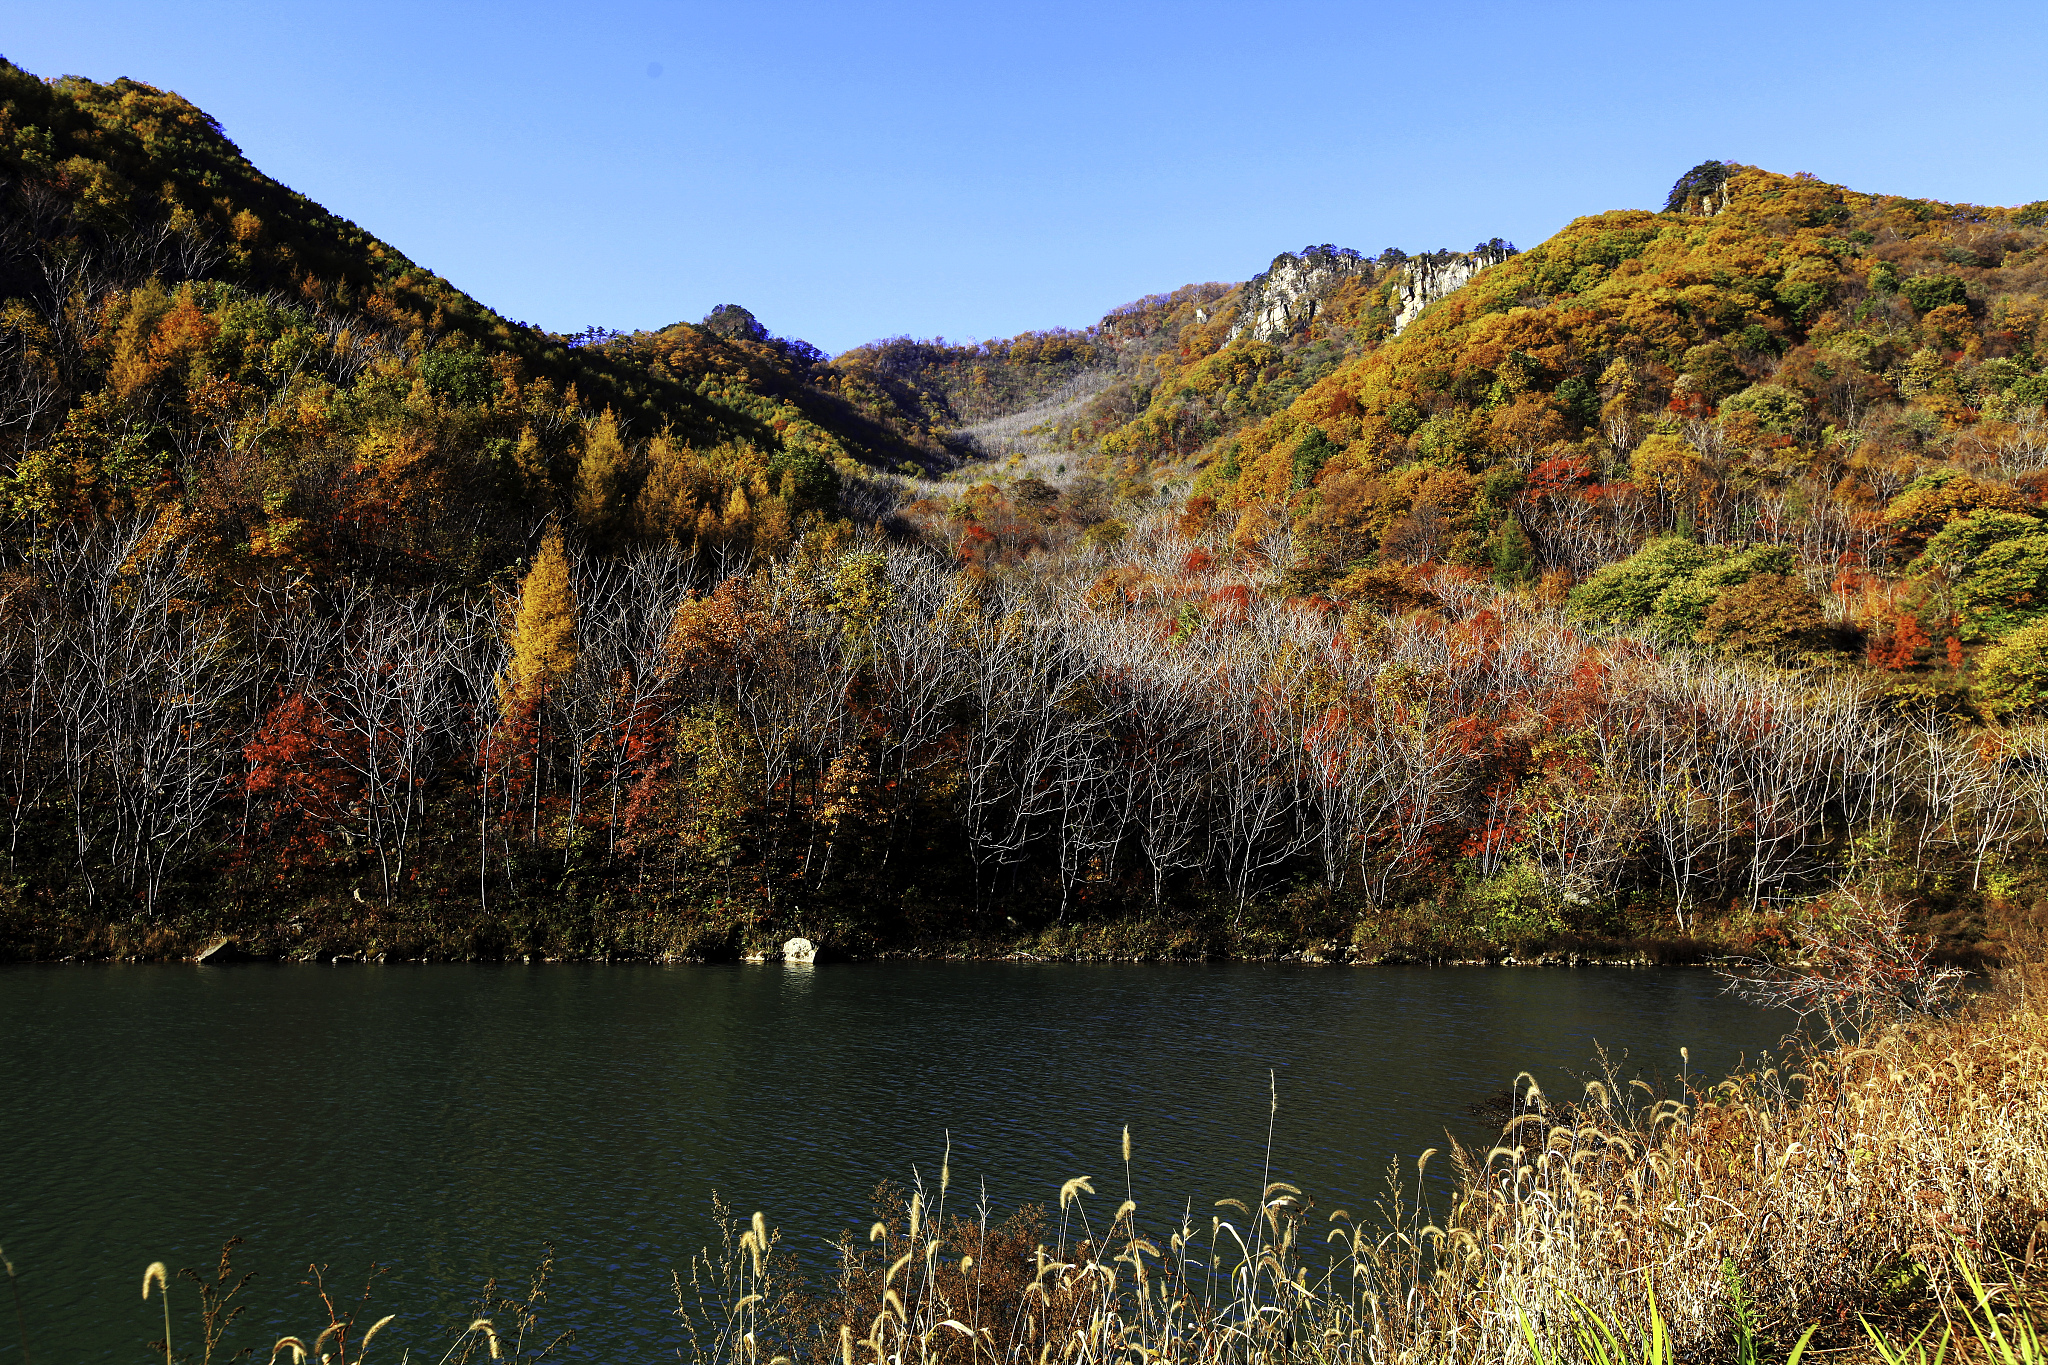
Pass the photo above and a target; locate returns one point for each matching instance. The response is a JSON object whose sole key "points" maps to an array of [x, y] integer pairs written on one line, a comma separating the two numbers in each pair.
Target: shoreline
{"points": [[1694, 955], [1452, 931]]}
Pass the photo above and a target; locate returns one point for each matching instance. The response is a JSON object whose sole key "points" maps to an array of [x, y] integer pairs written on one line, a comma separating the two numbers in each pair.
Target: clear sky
{"points": [[850, 170]]}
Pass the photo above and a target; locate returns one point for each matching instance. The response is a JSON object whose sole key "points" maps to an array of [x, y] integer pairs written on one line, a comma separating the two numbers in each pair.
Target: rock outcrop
{"points": [[1285, 298], [1425, 279], [1703, 190], [222, 951]]}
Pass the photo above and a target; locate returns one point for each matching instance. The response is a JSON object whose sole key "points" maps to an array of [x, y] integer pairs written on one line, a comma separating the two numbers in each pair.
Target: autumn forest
{"points": [[1613, 596]]}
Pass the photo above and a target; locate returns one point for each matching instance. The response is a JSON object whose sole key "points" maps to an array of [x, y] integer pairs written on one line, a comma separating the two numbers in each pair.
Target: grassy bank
{"points": [[573, 931]]}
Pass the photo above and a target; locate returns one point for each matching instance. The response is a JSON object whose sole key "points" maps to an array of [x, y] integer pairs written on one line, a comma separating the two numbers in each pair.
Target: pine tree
{"points": [[1311, 453], [1514, 558], [771, 527], [739, 516], [663, 509]]}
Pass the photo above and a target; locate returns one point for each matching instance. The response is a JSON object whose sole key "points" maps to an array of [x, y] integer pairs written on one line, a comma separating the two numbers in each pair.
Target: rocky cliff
{"points": [[1703, 190], [1425, 279], [1285, 298]]}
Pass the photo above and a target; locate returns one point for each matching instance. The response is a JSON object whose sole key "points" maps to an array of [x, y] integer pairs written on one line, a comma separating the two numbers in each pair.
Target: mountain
{"points": [[183, 337], [181, 334], [1775, 356]]}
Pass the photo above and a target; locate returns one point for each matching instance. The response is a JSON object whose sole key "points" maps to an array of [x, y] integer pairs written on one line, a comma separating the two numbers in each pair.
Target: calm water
{"points": [[446, 1121]]}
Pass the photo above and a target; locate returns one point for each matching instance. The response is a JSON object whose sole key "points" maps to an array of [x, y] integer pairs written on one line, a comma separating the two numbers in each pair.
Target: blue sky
{"points": [[853, 170]]}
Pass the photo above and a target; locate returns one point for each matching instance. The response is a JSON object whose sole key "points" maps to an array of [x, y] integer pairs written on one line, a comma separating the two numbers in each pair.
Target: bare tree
{"points": [[142, 694], [389, 705]]}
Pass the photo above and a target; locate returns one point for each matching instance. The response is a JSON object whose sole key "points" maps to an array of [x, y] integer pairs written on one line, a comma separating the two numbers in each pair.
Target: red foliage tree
{"points": [[299, 783]]}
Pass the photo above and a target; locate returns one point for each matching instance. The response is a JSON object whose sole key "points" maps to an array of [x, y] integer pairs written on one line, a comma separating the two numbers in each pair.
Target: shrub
{"points": [[1932, 501], [1664, 464], [1623, 594], [1385, 587], [460, 377], [1311, 453], [1106, 535], [1928, 292], [1517, 905], [1775, 408], [1770, 614], [1854, 966], [1898, 642], [1713, 371], [1680, 611], [2006, 588], [1514, 558], [2013, 676], [1958, 545]]}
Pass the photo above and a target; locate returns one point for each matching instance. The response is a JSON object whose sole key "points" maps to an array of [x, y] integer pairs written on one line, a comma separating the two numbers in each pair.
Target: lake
{"points": [[447, 1121]]}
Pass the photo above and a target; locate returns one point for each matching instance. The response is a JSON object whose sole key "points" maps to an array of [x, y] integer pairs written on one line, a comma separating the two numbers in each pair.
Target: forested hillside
{"points": [[1662, 577], [186, 339]]}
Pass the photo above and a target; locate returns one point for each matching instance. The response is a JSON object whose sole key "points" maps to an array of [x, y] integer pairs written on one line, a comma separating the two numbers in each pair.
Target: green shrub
{"points": [[461, 377], [2013, 676], [1929, 292], [1514, 558], [1311, 453], [1958, 546], [1680, 611], [1775, 408], [1516, 905], [1623, 594], [2006, 588]]}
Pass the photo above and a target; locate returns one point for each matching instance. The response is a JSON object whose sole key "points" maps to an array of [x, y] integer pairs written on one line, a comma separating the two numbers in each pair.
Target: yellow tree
{"points": [[544, 627], [665, 508], [532, 463], [601, 477]]}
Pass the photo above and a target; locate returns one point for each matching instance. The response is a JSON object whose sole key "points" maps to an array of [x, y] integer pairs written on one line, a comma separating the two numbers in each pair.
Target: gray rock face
{"points": [[1425, 279], [1286, 297]]}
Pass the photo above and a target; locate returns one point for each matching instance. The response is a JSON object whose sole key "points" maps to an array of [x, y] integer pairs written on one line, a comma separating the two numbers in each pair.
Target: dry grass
{"points": [[1845, 1187]]}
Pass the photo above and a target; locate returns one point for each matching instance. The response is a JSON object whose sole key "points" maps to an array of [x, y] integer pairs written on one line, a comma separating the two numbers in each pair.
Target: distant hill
{"points": [[1164, 377]]}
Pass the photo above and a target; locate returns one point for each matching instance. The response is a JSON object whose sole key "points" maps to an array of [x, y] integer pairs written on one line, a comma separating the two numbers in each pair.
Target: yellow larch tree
{"points": [[601, 478], [544, 626]]}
